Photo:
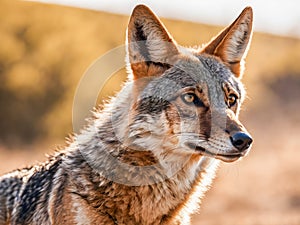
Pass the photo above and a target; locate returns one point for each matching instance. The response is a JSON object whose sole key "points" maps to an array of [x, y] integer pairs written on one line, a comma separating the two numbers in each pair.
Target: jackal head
{"points": [[187, 100]]}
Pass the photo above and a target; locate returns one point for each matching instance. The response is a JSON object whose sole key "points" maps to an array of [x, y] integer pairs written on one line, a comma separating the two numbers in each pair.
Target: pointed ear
{"points": [[231, 45], [150, 47]]}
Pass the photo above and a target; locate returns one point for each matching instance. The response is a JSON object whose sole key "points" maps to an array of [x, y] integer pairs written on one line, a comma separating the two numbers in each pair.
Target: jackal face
{"points": [[186, 100]]}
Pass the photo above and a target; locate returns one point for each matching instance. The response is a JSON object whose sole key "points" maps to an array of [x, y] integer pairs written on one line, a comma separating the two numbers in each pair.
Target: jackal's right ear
{"points": [[151, 49]]}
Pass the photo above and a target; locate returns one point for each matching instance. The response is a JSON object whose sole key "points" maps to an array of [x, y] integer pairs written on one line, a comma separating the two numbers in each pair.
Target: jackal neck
{"points": [[134, 185]]}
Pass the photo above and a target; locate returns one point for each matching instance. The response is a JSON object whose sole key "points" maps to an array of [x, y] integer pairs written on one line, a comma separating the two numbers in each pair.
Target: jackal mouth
{"points": [[229, 157]]}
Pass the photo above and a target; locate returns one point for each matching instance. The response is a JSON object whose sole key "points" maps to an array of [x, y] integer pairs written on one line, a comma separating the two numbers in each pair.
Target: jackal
{"points": [[151, 153]]}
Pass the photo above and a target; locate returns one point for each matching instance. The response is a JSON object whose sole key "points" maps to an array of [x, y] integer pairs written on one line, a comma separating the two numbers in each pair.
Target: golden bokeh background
{"points": [[45, 50]]}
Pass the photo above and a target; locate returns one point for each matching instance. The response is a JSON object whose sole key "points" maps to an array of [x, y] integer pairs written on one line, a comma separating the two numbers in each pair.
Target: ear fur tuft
{"points": [[232, 44], [150, 46]]}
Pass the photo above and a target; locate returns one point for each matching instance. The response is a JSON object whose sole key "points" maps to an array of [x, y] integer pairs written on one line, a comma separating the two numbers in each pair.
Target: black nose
{"points": [[241, 140]]}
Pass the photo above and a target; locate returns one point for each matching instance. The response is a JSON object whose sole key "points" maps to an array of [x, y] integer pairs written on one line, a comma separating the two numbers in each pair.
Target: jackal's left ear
{"points": [[232, 44], [150, 47]]}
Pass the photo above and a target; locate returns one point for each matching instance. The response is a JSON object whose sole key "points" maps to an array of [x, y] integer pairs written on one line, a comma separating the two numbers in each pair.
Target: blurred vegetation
{"points": [[45, 50]]}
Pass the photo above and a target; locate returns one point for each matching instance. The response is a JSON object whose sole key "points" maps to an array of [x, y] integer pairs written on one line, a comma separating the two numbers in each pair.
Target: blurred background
{"points": [[45, 49]]}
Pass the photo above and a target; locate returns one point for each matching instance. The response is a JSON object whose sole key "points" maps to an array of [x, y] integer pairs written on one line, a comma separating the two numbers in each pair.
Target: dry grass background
{"points": [[44, 51]]}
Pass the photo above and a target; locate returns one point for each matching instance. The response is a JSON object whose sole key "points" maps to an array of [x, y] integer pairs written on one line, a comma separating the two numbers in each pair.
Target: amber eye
{"points": [[192, 99], [232, 99], [188, 98]]}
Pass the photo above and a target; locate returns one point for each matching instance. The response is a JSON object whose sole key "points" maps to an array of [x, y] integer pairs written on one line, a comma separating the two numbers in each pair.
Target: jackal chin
{"points": [[228, 156]]}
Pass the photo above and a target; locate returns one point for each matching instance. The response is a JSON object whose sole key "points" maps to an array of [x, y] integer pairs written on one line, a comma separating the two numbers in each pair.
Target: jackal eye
{"points": [[188, 98], [192, 99], [232, 99]]}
